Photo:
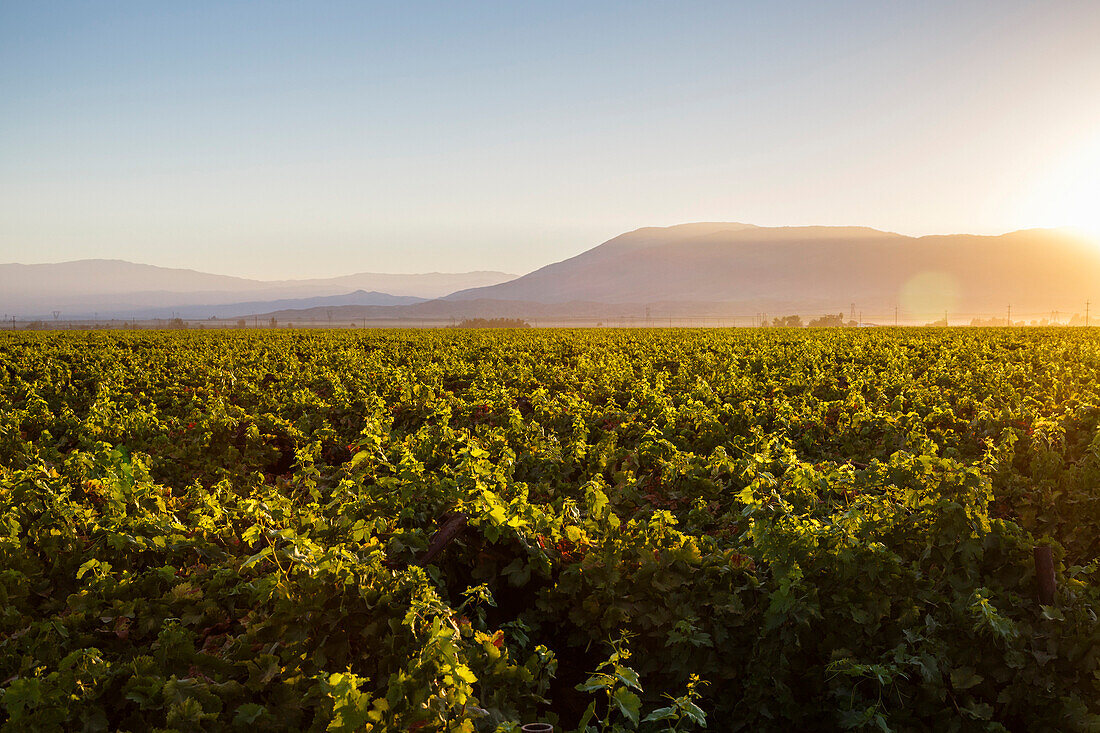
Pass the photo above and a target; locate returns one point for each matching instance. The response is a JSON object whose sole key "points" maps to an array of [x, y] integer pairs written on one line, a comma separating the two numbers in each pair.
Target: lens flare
{"points": [[929, 294]]}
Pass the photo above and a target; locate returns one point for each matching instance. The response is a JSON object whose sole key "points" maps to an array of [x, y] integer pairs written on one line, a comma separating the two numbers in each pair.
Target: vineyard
{"points": [[606, 530]]}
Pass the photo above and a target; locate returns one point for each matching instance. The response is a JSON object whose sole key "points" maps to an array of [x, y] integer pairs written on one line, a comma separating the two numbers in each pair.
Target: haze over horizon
{"points": [[303, 142], [692, 272]]}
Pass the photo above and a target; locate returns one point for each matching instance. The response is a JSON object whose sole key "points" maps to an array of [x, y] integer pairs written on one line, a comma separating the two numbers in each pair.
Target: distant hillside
{"points": [[236, 310], [441, 310], [422, 285], [815, 268], [78, 289], [111, 277], [705, 270]]}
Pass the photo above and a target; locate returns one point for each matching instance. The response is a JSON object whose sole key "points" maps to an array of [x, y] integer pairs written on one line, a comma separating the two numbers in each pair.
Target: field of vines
{"points": [[606, 530]]}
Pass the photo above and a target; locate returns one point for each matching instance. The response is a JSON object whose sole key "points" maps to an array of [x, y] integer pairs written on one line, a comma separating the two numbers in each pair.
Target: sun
{"points": [[1067, 194]]}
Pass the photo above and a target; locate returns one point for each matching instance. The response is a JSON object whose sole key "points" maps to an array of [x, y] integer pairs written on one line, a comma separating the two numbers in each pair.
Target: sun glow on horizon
{"points": [[1067, 195]]}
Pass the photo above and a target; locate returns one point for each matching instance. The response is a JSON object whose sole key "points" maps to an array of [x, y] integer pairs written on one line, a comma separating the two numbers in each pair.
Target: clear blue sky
{"points": [[311, 139]]}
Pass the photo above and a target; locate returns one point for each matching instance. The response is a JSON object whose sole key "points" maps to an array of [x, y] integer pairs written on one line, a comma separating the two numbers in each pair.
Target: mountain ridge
{"points": [[82, 287], [249, 309], [815, 266], [713, 267]]}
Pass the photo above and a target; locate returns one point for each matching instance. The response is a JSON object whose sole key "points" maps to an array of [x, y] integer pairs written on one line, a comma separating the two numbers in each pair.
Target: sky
{"points": [[294, 139]]}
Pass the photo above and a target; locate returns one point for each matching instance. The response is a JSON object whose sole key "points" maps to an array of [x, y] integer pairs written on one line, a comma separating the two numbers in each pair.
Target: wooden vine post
{"points": [[449, 529]]}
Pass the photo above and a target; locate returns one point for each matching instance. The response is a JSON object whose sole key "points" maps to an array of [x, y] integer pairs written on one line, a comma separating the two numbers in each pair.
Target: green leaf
{"points": [[358, 458], [628, 703], [248, 713], [597, 502], [978, 710], [256, 558], [694, 712], [596, 682], [627, 676], [963, 678], [669, 713], [1053, 613], [589, 713]]}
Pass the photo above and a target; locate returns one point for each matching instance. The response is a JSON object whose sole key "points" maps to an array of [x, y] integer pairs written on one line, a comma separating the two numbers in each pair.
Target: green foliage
{"points": [[834, 529], [494, 323]]}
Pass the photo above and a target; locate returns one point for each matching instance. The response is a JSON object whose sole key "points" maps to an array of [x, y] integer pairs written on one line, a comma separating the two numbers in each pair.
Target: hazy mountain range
{"points": [[115, 288], [704, 269], [818, 267], [246, 308]]}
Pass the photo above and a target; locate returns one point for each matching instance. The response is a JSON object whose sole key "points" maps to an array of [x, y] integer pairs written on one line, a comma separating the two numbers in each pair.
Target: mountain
{"points": [[84, 287], [248, 308], [813, 268], [422, 285], [443, 312], [689, 273], [111, 277]]}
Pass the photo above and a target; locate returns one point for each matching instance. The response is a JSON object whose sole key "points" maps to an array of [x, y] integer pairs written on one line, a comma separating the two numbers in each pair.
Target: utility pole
{"points": [[852, 315], [1010, 315], [1087, 303], [895, 316]]}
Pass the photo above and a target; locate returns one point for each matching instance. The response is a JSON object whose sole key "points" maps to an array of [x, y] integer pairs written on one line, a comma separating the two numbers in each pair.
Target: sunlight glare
{"points": [[1069, 194]]}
